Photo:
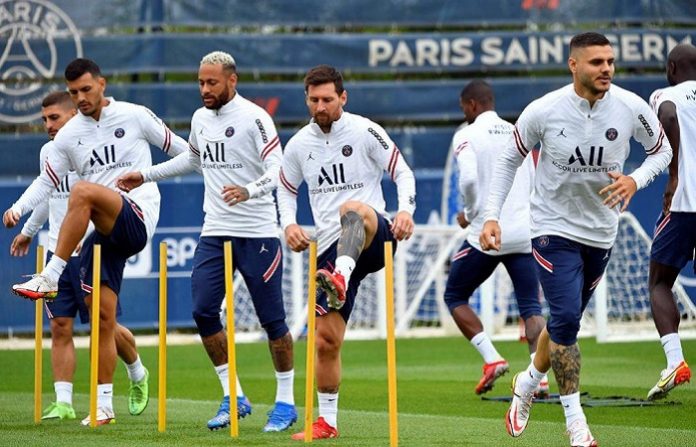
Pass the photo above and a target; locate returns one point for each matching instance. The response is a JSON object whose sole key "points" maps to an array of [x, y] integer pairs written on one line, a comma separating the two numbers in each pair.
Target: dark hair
{"points": [[589, 39], [322, 74], [61, 97], [79, 67], [478, 90]]}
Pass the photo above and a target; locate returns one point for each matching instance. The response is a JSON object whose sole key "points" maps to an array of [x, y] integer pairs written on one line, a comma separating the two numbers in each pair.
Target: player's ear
{"points": [[572, 64], [344, 98]]}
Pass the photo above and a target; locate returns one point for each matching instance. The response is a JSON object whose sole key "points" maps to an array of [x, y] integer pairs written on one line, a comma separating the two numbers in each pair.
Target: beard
{"points": [[217, 101]]}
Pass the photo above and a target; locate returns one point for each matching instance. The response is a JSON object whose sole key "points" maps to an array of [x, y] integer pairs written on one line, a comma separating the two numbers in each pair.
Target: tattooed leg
{"points": [[281, 352], [352, 238], [565, 361], [216, 347]]}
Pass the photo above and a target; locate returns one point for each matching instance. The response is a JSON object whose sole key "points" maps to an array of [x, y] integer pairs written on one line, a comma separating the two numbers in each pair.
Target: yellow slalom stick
{"points": [[38, 342], [391, 345], [94, 337], [231, 351], [162, 386], [311, 324]]}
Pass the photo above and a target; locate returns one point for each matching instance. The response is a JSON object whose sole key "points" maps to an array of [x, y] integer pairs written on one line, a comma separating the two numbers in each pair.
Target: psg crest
{"points": [[347, 150], [119, 133], [611, 134], [229, 131], [37, 40]]}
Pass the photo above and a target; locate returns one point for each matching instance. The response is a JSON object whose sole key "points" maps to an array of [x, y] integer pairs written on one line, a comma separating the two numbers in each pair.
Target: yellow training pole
{"points": [[162, 386], [231, 351], [311, 324], [94, 337], [391, 345], [38, 342]]}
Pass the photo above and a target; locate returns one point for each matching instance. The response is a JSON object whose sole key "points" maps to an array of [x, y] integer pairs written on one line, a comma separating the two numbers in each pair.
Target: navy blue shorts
{"points": [[674, 240], [260, 262], [569, 272], [370, 261], [70, 300], [471, 267], [127, 238]]}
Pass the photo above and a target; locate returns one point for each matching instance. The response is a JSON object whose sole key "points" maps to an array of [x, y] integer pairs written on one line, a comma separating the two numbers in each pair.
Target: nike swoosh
{"points": [[663, 382]]}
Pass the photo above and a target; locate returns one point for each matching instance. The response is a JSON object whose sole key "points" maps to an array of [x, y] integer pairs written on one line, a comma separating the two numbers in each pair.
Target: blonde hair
{"points": [[220, 57]]}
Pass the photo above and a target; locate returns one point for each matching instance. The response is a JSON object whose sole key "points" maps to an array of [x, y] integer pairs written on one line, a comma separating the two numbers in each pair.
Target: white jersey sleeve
{"points": [[289, 181], [56, 166], [394, 164], [158, 134], [526, 135], [268, 146], [468, 177], [649, 133], [39, 216]]}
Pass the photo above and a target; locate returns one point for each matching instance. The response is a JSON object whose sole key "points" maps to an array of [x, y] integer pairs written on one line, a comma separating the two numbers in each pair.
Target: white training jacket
{"points": [[683, 95], [235, 145], [580, 146], [477, 148], [345, 164], [101, 151]]}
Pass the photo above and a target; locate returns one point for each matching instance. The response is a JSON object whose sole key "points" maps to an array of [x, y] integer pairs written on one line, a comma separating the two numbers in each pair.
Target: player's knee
{"points": [[351, 205], [351, 219], [61, 329], [453, 301], [80, 192], [327, 346], [207, 324], [275, 329], [564, 331]]}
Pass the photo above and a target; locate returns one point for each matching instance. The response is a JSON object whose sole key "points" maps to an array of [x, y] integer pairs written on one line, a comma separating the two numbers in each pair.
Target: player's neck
{"points": [[97, 112], [591, 96]]}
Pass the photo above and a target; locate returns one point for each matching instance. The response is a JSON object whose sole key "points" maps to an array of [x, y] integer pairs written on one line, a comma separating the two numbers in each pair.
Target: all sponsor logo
{"points": [[29, 56]]}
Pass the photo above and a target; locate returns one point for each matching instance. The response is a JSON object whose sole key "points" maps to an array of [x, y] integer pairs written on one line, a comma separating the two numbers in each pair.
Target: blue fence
{"points": [[357, 13]]}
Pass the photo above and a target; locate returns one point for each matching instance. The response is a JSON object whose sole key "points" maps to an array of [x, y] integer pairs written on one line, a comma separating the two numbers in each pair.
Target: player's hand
{"points": [[402, 227], [296, 238], [620, 190], [233, 194], [20, 245], [461, 220], [10, 218], [129, 181], [490, 236], [669, 193]]}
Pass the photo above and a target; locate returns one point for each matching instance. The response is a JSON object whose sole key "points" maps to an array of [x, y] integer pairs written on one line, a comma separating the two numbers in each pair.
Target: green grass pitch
{"points": [[437, 406]]}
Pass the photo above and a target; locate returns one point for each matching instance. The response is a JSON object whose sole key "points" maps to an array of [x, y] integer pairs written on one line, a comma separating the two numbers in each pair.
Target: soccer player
{"points": [[56, 109], [106, 139], [674, 240], [579, 190], [476, 148], [235, 143], [342, 158]]}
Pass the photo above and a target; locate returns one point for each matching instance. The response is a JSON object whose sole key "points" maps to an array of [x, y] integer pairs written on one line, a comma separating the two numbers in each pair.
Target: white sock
{"points": [[483, 344], [673, 349], [546, 376], [223, 373], [105, 395], [572, 408], [136, 370], [54, 268], [285, 382], [345, 266], [63, 392], [328, 408], [529, 380]]}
